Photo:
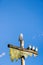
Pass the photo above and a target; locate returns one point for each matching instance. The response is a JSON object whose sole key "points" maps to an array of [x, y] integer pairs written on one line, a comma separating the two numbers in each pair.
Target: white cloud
{"points": [[3, 54]]}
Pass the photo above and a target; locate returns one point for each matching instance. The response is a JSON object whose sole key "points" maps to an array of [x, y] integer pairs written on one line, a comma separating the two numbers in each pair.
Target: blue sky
{"points": [[21, 16]]}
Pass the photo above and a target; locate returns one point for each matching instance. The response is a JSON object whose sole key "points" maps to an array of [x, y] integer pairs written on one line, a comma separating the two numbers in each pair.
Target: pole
{"points": [[22, 58]]}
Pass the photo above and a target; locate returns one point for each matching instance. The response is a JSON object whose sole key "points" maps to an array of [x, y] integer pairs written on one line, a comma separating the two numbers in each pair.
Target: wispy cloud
{"points": [[3, 54], [36, 36]]}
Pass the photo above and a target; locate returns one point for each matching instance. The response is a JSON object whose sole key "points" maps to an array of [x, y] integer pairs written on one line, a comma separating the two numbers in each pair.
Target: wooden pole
{"points": [[22, 58]]}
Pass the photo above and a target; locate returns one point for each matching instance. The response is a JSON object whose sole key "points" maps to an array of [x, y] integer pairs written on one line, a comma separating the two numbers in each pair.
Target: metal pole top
{"points": [[21, 37]]}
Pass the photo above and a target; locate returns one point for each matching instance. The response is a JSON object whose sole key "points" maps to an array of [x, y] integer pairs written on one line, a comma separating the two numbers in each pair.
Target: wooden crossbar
{"points": [[23, 49]]}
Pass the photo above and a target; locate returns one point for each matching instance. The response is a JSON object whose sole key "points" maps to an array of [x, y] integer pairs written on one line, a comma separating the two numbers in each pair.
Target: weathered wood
{"points": [[22, 49]]}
